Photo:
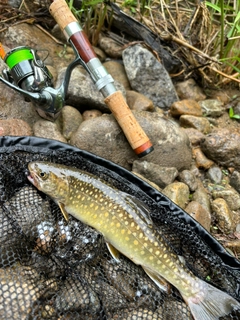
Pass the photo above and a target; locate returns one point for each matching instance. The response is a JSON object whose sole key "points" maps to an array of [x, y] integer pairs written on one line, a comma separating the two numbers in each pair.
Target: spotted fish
{"points": [[127, 227]]}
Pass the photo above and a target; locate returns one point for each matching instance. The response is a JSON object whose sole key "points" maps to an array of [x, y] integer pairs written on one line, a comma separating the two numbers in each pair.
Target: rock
{"points": [[148, 181], [212, 107], [162, 176], [200, 159], [230, 195], [201, 196], [221, 96], [82, 92], [104, 137], [118, 73], [15, 127], [189, 107], [200, 123], [189, 179], [178, 192], [194, 136], [148, 76], [214, 173], [110, 47], [199, 213], [189, 90], [235, 180], [90, 114], [224, 215], [223, 147], [48, 130], [137, 101], [71, 120]]}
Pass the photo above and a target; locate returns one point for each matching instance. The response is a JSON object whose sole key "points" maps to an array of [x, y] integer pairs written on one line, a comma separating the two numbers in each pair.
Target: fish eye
{"points": [[43, 175]]}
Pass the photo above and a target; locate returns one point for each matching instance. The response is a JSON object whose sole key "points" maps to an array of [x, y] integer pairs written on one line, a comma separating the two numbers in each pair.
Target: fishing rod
{"points": [[103, 80], [28, 75]]}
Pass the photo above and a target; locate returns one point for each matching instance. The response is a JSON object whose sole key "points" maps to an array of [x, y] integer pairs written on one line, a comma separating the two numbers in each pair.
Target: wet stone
{"points": [[212, 107], [194, 135], [71, 120], [215, 174], [15, 127], [90, 114], [162, 176], [223, 147], [200, 123], [201, 196], [230, 195], [178, 192], [189, 179], [224, 215], [189, 107], [235, 180], [199, 213], [137, 101], [201, 160], [110, 47], [48, 130], [189, 90], [118, 73]]}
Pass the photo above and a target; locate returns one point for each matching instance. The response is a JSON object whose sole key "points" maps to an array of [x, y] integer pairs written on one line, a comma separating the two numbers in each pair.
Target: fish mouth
{"points": [[32, 177]]}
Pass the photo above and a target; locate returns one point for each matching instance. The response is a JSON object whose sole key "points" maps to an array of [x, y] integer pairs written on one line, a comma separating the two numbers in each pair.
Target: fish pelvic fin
{"points": [[63, 210], [211, 303]]}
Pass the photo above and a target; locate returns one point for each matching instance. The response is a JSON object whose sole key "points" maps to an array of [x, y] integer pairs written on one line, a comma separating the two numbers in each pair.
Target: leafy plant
{"points": [[232, 115]]}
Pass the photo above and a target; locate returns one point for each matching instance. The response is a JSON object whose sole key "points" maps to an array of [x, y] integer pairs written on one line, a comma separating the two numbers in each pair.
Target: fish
{"points": [[126, 225]]}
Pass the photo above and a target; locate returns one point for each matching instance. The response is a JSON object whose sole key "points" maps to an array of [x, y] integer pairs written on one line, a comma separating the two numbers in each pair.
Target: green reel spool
{"points": [[18, 55]]}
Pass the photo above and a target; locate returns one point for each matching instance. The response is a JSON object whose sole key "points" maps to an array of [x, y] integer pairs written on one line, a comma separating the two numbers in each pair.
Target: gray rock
{"points": [[178, 192], [223, 147], [104, 137], [48, 130], [118, 73], [189, 90], [71, 120], [235, 180], [230, 195], [82, 92], [215, 174], [200, 123], [201, 196], [212, 107], [224, 215], [148, 76], [162, 176], [189, 179]]}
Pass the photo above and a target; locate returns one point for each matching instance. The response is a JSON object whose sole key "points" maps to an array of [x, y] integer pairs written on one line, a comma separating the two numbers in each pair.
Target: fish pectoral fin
{"points": [[114, 252], [158, 280], [64, 212]]}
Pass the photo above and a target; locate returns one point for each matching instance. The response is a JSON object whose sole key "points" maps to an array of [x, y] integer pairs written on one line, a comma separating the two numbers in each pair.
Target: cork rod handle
{"points": [[61, 13]]}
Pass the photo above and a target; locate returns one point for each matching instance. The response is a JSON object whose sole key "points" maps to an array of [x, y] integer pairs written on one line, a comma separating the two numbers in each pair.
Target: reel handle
{"points": [[135, 135]]}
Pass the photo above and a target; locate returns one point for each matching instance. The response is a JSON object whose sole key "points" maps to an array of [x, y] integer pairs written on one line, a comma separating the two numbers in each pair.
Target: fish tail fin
{"points": [[211, 303]]}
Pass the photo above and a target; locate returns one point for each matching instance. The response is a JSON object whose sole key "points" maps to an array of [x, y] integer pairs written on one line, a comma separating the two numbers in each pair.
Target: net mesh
{"points": [[50, 269]]}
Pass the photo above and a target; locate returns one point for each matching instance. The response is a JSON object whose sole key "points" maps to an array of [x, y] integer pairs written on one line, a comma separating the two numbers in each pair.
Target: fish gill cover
{"points": [[50, 269]]}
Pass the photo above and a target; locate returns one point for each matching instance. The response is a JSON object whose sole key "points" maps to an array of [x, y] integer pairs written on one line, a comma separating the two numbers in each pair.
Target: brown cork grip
{"points": [[131, 128], [61, 13]]}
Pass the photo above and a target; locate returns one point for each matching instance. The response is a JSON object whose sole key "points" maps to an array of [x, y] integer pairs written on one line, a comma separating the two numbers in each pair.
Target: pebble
{"points": [[200, 123], [194, 135], [201, 196], [118, 73], [187, 177], [110, 47], [139, 102], [15, 127], [212, 107], [189, 107], [215, 174], [224, 215], [161, 176], [200, 159], [90, 114], [178, 192], [71, 120], [189, 90], [48, 130], [235, 180], [223, 147], [199, 213], [230, 195]]}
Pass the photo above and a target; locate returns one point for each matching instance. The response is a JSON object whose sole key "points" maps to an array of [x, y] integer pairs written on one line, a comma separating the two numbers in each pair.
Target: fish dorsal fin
{"points": [[64, 212], [158, 280], [140, 208], [114, 252]]}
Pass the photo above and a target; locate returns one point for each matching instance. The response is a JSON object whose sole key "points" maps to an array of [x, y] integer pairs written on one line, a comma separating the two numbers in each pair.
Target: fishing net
{"points": [[50, 269]]}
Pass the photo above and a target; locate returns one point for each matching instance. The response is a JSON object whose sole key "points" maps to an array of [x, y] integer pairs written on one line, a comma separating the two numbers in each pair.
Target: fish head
{"points": [[49, 178]]}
